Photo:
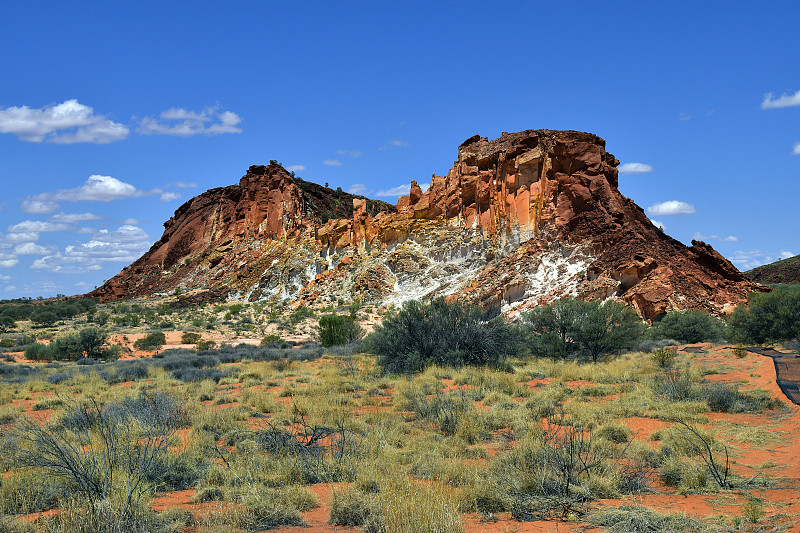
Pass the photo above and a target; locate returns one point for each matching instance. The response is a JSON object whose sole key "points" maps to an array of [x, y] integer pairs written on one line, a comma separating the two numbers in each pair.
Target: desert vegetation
{"points": [[443, 418]]}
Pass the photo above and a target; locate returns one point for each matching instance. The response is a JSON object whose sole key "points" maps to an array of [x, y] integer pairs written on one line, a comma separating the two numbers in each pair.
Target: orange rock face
{"points": [[518, 221]]}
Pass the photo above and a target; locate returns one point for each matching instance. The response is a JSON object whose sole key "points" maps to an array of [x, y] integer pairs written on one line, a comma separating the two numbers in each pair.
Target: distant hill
{"points": [[783, 271]]}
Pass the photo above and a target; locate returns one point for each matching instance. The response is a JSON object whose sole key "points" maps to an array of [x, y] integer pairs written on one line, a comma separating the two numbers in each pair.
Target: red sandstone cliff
{"points": [[517, 221]]}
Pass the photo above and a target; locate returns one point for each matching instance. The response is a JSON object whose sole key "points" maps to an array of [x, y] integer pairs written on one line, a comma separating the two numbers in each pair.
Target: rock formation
{"points": [[518, 221]]}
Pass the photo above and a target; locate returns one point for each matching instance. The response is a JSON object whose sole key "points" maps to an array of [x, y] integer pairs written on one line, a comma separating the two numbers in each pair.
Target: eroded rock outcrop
{"points": [[518, 221]]}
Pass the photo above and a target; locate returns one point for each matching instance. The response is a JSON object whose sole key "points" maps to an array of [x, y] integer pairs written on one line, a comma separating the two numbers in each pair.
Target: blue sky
{"points": [[113, 115]]}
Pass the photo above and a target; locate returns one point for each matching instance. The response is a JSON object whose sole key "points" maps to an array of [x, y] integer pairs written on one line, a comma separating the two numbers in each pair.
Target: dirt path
{"points": [[787, 370]]}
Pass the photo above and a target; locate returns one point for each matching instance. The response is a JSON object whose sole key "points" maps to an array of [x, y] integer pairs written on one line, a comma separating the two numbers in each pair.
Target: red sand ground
{"points": [[779, 460]]}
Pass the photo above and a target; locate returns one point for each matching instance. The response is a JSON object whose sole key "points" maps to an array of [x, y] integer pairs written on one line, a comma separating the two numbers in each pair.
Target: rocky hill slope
{"points": [[783, 271], [518, 221]]}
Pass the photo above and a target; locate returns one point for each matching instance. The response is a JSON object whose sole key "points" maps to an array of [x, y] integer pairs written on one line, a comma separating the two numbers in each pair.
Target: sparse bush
{"points": [[152, 341], [205, 345], [635, 519], [352, 507], [336, 330], [104, 452], [190, 338], [664, 357], [441, 333], [570, 326], [689, 327]]}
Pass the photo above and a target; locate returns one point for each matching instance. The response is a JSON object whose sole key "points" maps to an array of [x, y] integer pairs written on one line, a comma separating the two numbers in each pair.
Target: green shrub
{"points": [[44, 318], [768, 317], [37, 352], [6, 323], [206, 345], [335, 330], [441, 333], [689, 327], [270, 339], [152, 341], [570, 326], [190, 338]]}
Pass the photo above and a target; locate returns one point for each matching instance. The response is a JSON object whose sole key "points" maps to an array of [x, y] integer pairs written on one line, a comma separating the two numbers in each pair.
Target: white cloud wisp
{"points": [[784, 100], [635, 168], [184, 123], [65, 123], [671, 207]]}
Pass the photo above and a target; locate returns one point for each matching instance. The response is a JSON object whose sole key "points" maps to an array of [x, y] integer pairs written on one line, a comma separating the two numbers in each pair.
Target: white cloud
{"points": [[400, 190], [3, 277], [684, 116], [74, 217], [784, 100], [130, 221], [785, 254], [36, 226], [672, 207], [97, 188], [169, 196], [296, 168], [332, 162], [126, 244], [10, 288], [700, 237], [29, 248], [746, 260], [399, 143], [349, 153], [65, 123], [185, 123], [635, 168], [658, 224], [185, 185], [796, 149], [357, 188], [25, 236], [126, 233], [38, 207], [8, 260]]}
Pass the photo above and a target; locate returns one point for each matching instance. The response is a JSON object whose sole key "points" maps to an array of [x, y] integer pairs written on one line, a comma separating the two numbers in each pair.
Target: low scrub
{"points": [[445, 334]]}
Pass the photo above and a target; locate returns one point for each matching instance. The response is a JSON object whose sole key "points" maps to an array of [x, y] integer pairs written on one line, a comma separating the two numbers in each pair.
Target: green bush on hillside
{"points": [[574, 327], [768, 317], [447, 334]]}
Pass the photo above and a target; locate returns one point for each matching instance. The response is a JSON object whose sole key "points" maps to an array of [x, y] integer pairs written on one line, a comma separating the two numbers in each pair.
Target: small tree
{"points": [[92, 341], [571, 326], [44, 318], [334, 330]]}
